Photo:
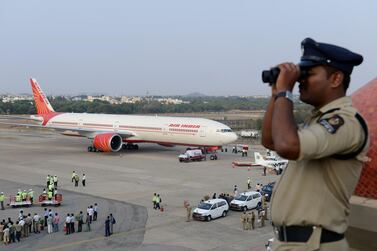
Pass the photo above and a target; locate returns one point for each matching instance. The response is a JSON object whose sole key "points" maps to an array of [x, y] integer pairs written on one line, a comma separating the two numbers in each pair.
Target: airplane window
{"points": [[224, 130]]}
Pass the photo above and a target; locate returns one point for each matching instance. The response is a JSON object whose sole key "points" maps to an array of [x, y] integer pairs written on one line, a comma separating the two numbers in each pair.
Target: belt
{"points": [[303, 233]]}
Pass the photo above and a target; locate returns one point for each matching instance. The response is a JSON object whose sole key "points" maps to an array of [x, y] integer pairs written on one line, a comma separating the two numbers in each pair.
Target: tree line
{"points": [[197, 104]]}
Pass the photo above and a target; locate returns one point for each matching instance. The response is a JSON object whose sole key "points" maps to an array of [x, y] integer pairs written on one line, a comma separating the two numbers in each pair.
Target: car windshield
{"points": [[267, 188], [205, 206], [241, 197]]}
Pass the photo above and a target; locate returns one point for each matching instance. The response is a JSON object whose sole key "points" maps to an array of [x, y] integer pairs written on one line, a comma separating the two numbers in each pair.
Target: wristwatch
{"points": [[286, 94]]}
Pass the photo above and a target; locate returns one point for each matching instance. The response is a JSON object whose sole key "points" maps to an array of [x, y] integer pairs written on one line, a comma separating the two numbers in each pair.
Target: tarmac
{"points": [[123, 183]]}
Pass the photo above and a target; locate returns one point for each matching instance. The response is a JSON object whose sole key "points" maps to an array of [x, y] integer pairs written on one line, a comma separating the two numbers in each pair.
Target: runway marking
{"points": [[105, 238]]}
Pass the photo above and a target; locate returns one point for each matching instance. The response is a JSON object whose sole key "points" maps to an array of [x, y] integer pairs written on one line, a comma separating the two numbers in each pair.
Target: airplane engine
{"points": [[108, 142]]}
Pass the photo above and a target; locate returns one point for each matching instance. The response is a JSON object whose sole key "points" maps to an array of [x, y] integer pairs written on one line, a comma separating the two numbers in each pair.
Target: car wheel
{"points": [[244, 208], [259, 204], [90, 149], [209, 218], [224, 213]]}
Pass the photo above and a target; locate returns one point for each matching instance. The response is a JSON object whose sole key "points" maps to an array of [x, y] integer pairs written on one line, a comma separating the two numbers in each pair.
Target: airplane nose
{"points": [[233, 137]]}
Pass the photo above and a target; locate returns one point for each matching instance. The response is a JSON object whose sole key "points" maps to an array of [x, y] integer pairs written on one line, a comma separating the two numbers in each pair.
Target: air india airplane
{"points": [[110, 133]]}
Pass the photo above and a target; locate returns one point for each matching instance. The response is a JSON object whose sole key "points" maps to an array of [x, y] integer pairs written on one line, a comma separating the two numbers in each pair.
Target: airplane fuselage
{"points": [[155, 129]]}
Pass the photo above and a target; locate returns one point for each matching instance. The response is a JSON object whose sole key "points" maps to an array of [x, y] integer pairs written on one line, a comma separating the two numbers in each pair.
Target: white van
{"points": [[211, 209], [246, 200]]}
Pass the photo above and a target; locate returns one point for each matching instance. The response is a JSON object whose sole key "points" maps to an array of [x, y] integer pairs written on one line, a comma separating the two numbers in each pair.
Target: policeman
{"points": [[188, 210], [252, 220], [2, 200], [243, 219], [326, 154], [248, 183]]}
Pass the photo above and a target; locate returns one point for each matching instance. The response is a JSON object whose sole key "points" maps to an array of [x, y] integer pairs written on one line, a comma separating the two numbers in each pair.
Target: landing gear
{"points": [[130, 146], [92, 149], [213, 157]]}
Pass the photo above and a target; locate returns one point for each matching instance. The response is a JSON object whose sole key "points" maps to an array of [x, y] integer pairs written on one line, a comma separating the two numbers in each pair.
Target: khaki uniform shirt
{"points": [[316, 188]]}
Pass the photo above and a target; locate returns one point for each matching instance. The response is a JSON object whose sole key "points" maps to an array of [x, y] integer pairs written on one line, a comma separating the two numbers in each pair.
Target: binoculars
{"points": [[270, 76]]}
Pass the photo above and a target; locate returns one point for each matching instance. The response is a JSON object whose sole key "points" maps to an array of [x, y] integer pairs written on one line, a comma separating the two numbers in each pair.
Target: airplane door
{"points": [[165, 130], [80, 123], [202, 132], [116, 126]]}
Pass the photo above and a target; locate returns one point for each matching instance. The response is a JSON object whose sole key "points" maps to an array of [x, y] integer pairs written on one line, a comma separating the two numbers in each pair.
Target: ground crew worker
{"points": [[55, 181], [18, 197], [244, 220], [154, 200], [49, 194], [158, 201], [47, 180], [83, 180], [31, 195], [50, 187], [73, 175], [24, 195], [2, 197], [77, 179], [248, 183], [326, 154], [52, 180]]}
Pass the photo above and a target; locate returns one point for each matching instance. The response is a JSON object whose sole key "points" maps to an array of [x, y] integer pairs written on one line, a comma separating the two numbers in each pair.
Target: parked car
{"points": [[267, 190], [246, 200], [211, 209]]}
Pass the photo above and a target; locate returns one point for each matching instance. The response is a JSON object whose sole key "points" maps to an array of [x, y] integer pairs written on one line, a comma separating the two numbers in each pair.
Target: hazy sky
{"points": [[169, 47]]}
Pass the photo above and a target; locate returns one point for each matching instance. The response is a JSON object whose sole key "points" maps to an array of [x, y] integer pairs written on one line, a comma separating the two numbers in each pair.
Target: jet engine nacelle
{"points": [[108, 142]]}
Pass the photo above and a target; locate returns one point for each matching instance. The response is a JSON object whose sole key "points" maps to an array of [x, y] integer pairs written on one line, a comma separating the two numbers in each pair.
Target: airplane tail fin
{"points": [[41, 102]]}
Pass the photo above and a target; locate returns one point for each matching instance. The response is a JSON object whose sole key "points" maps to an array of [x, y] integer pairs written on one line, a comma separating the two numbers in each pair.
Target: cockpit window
{"points": [[224, 130]]}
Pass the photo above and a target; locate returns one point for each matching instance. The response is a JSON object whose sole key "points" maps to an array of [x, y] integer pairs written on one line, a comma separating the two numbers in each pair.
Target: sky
{"points": [[172, 47]]}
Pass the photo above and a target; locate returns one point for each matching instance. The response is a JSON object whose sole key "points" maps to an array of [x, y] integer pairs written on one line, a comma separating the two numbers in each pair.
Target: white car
{"points": [[246, 200], [211, 209]]}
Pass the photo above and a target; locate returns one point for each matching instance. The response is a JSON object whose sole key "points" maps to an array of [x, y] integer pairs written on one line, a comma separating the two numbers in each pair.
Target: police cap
{"points": [[314, 53]]}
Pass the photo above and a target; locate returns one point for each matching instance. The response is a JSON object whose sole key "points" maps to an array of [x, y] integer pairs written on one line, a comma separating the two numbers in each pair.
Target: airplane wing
{"points": [[89, 133]]}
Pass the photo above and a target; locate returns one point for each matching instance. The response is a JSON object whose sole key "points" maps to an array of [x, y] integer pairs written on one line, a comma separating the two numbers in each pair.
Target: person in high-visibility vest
{"points": [[49, 195], [50, 187], [2, 200], [18, 197], [31, 195], [24, 195]]}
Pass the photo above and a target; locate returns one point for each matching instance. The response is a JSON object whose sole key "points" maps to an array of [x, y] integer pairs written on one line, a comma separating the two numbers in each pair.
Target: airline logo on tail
{"points": [[41, 102]]}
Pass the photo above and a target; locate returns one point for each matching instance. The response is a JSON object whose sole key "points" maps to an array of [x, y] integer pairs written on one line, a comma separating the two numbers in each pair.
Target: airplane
{"points": [[110, 132], [271, 161]]}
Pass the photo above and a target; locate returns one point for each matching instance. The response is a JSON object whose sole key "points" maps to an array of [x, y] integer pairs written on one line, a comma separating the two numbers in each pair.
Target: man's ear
{"points": [[337, 79]]}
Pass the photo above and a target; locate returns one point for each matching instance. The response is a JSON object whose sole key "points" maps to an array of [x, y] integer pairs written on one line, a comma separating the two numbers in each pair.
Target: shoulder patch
{"points": [[332, 124]]}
